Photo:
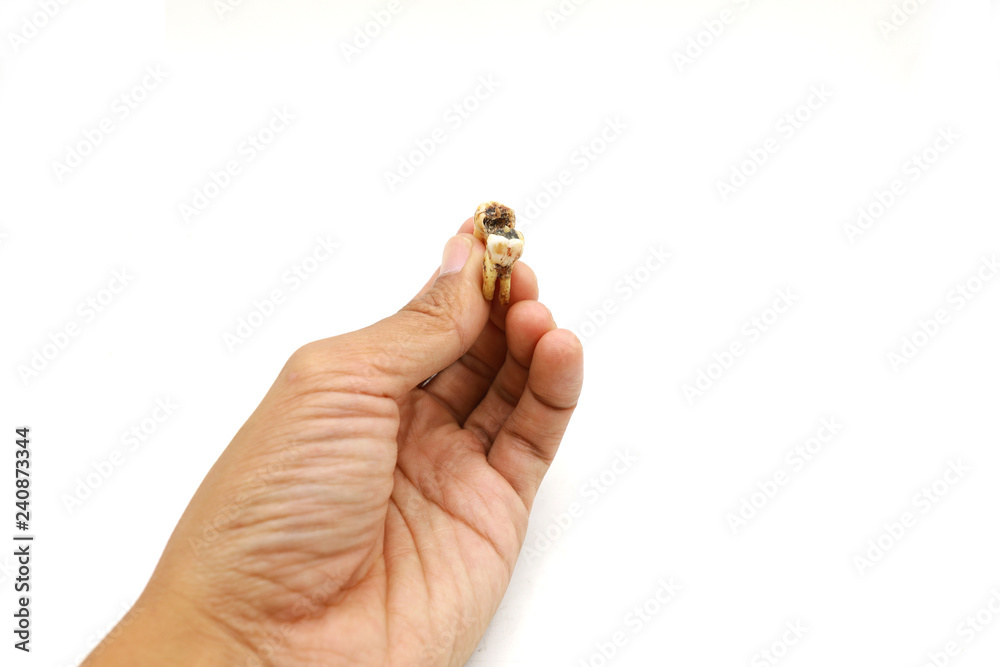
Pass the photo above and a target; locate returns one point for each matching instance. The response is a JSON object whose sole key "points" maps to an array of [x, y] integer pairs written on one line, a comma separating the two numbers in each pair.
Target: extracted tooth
{"points": [[494, 226]]}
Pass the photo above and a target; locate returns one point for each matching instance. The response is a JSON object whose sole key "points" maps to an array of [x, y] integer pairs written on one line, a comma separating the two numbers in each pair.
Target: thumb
{"points": [[432, 331]]}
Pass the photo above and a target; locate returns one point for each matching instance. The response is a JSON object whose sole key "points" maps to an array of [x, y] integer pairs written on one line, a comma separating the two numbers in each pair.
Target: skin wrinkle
{"points": [[483, 372], [256, 524], [399, 508], [542, 432], [503, 394], [485, 369], [463, 520], [550, 404], [307, 367], [376, 401], [493, 421], [483, 534], [263, 574], [524, 443], [321, 618], [483, 436], [435, 307], [277, 489], [319, 413], [416, 551], [240, 638], [266, 578], [451, 411]]}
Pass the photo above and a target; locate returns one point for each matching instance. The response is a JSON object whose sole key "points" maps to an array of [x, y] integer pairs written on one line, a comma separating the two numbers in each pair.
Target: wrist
{"points": [[164, 629]]}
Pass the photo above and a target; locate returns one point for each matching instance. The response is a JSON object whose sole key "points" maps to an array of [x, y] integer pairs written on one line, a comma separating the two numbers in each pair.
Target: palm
{"points": [[442, 555], [428, 564]]}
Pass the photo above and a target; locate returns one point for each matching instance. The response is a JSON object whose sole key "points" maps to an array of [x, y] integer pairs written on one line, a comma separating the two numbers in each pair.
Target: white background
{"points": [[686, 127]]}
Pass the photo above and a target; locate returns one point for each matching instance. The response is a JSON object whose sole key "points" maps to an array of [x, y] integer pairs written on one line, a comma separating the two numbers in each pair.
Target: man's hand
{"points": [[362, 516]]}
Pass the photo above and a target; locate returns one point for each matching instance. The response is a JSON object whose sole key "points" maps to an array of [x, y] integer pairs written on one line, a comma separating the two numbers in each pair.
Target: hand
{"points": [[360, 517]]}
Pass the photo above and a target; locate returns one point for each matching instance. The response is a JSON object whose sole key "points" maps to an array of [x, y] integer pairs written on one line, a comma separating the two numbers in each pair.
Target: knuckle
{"points": [[435, 309], [312, 367], [306, 358], [434, 303]]}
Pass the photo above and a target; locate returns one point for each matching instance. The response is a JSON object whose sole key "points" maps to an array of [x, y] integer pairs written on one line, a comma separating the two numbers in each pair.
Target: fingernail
{"points": [[456, 254]]}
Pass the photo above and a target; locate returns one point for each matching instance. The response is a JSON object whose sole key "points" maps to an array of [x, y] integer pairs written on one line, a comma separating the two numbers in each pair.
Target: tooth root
{"points": [[504, 279], [489, 277]]}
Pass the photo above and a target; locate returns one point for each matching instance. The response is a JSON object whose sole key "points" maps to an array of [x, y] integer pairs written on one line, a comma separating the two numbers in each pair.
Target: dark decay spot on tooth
{"points": [[497, 218]]}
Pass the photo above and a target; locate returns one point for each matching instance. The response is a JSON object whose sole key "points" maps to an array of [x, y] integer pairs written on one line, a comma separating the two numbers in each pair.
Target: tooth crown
{"points": [[492, 218], [503, 251]]}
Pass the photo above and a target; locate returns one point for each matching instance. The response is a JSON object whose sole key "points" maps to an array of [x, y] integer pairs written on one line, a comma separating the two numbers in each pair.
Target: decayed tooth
{"points": [[493, 224]]}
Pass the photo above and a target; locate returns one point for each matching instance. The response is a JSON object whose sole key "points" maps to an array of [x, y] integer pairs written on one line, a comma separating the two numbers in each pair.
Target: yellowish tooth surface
{"points": [[492, 224], [503, 251]]}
